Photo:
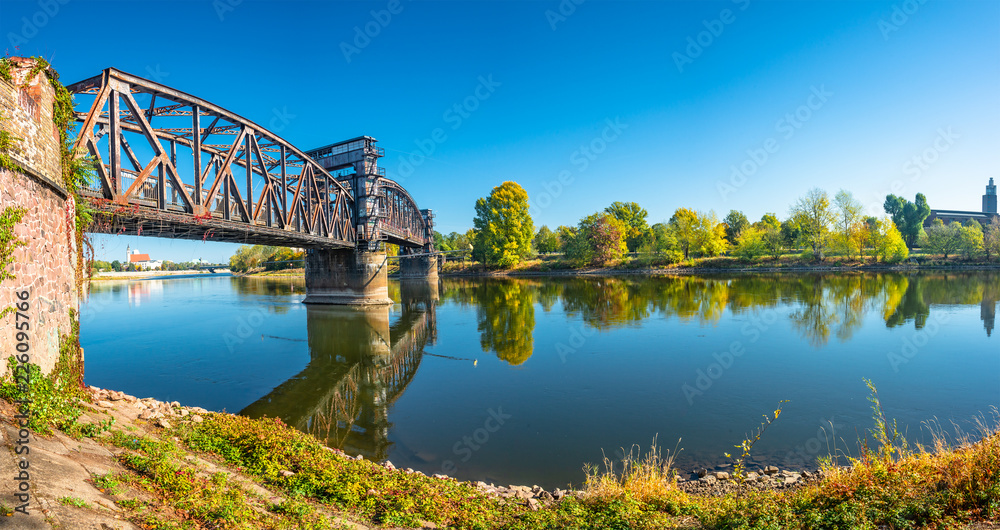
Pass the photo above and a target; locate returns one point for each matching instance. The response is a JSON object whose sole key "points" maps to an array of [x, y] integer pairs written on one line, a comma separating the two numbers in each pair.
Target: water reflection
{"points": [[360, 363], [824, 306]]}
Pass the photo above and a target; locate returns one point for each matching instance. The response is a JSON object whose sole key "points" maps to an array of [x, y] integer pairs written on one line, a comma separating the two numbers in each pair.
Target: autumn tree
{"points": [[750, 244], [600, 239], [634, 218], [503, 226]]}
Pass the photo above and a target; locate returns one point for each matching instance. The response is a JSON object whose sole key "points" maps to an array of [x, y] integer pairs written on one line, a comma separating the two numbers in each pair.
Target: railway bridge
{"points": [[170, 164]]}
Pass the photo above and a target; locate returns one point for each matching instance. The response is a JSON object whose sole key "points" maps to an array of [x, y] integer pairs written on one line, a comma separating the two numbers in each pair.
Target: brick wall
{"points": [[45, 266]]}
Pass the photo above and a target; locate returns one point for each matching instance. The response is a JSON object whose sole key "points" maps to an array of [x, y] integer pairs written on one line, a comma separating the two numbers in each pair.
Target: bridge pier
{"points": [[346, 277], [418, 267]]}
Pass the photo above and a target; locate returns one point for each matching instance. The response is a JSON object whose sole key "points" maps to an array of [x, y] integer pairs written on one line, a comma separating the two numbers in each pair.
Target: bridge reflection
{"points": [[360, 363]]}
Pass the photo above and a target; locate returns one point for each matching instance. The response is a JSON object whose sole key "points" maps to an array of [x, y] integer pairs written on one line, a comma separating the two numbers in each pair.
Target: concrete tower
{"points": [[990, 199]]}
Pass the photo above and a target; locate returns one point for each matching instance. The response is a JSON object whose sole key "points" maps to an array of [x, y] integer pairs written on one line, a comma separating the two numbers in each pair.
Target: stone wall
{"points": [[45, 265]]}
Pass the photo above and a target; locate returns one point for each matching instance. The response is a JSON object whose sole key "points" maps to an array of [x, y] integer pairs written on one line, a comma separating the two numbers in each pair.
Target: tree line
{"points": [[817, 226]]}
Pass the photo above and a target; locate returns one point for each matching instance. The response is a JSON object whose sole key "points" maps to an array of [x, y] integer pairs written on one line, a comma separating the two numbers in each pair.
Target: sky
{"points": [[743, 104]]}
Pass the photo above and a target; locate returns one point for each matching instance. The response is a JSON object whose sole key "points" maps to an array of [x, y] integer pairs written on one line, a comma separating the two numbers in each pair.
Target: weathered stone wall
{"points": [[45, 265]]}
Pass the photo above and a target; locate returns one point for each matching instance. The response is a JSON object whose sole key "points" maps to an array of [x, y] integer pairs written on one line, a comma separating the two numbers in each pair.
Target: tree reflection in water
{"points": [[822, 305]]}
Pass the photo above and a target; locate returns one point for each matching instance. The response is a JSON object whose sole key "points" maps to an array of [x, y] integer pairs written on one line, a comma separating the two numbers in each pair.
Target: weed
{"points": [[739, 463], [74, 501]]}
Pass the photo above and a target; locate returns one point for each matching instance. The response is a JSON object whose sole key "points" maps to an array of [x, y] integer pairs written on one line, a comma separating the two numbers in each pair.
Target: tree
{"points": [[768, 220], [546, 240], [971, 245], [440, 243], [566, 235], [605, 235], [942, 239], [908, 216], [697, 232], [634, 218], [116, 266], [991, 238], [813, 214], [684, 224], [661, 239], [503, 226], [736, 223], [848, 222], [774, 241], [890, 247], [750, 244]]}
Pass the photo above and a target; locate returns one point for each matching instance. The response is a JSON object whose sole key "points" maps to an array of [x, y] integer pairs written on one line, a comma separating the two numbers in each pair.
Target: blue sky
{"points": [[582, 104]]}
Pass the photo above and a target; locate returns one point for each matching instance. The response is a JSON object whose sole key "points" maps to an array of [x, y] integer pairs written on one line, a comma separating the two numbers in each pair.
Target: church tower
{"points": [[128, 252], [990, 199]]}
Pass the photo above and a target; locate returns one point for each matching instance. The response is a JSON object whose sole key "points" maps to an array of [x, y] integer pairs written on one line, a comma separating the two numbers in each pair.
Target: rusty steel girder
{"points": [[286, 198]]}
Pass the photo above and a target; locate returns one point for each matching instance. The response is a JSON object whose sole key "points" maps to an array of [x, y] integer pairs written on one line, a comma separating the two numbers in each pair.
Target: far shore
{"points": [[541, 268], [139, 275]]}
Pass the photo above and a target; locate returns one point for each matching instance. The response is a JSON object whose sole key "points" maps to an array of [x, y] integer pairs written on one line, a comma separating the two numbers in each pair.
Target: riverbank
{"points": [[719, 265], [141, 275], [127, 462], [554, 266]]}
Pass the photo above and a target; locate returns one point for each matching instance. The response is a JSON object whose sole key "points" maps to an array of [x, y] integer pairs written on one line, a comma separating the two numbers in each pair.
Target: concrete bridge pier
{"points": [[422, 267], [346, 277]]}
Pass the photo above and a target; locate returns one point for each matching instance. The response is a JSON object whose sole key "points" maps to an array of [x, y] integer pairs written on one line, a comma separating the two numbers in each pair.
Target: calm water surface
{"points": [[523, 381]]}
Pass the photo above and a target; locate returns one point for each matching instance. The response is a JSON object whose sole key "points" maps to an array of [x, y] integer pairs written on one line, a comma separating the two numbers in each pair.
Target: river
{"points": [[523, 381]]}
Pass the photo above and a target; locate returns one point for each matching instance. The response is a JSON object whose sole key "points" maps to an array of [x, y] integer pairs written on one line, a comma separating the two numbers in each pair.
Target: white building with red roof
{"points": [[141, 261]]}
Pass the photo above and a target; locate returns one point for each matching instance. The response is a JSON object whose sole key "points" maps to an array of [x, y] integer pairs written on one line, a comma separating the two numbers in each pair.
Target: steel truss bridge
{"points": [[170, 164]]}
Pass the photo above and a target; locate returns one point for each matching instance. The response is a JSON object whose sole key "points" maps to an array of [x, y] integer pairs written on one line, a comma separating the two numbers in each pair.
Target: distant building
{"points": [[984, 217], [141, 261]]}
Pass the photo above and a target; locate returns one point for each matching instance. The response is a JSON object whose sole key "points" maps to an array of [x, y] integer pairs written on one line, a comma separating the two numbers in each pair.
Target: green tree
{"points": [[116, 266], [813, 214], [736, 223], [546, 240], [566, 234], [441, 243], [768, 220], [684, 224], [503, 226], [848, 222], [971, 246], [908, 216], [991, 238], [750, 244], [634, 218], [942, 239], [774, 241]]}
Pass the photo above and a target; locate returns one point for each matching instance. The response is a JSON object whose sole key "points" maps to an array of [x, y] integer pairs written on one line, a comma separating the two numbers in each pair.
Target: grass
{"points": [[74, 501], [890, 484]]}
